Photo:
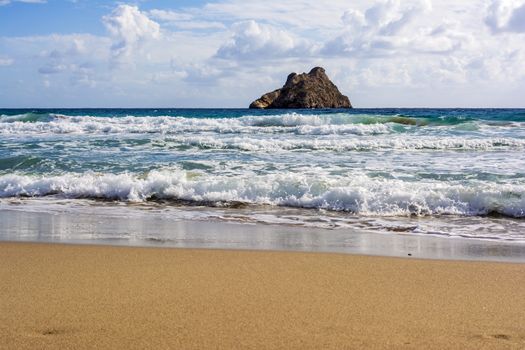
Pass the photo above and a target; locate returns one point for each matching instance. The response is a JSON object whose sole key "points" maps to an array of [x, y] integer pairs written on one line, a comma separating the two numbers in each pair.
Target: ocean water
{"points": [[446, 172]]}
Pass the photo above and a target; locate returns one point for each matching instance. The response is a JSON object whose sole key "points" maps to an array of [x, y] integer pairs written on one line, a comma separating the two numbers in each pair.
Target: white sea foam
{"points": [[358, 194], [340, 126], [347, 144], [288, 123]]}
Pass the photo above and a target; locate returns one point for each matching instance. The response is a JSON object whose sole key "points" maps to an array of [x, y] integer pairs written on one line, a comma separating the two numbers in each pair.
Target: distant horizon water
{"points": [[451, 172], [29, 109]]}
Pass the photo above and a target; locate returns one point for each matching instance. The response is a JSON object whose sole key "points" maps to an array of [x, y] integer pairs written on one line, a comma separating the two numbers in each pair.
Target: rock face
{"points": [[312, 90]]}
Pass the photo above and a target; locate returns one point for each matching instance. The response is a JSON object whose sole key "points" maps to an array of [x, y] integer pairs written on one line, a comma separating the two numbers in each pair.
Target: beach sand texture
{"points": [[83, 297]]}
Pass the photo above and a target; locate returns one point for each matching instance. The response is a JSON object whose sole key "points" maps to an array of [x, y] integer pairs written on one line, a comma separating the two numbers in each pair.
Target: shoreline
{"points": [[154, 247], [85, 296], [150, 230]]}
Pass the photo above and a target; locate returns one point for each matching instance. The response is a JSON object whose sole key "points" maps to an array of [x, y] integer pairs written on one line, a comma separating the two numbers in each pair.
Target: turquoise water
{"points": [[454, 172]]}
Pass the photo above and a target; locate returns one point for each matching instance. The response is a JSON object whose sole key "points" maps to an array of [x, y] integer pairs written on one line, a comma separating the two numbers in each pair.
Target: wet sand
{"points": [[71, 296], [110, 225]]}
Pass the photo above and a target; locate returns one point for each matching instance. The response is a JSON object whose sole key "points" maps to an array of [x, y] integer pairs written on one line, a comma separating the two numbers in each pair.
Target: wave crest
{"points": [[286, 123], [341, 145], [359, 194]]}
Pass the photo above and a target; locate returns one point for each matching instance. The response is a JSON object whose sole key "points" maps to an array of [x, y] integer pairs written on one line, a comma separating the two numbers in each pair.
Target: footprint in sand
{"points": [[50, 332], [501, 336], [497, 336], [53, 331]]}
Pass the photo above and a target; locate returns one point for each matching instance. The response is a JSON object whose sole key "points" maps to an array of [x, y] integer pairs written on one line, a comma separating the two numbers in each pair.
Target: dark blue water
{"points": [[434, 114]]}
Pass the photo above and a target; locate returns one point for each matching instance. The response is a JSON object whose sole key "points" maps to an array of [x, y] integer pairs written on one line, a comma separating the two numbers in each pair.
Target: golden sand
{"points": [[84, 297]]}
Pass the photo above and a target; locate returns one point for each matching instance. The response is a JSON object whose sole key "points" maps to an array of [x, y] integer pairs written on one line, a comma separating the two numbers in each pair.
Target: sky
{"points": [[226, 53]]}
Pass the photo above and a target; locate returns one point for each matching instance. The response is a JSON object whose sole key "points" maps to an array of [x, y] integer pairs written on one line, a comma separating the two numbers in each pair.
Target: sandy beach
{"points": [[72, 296]]}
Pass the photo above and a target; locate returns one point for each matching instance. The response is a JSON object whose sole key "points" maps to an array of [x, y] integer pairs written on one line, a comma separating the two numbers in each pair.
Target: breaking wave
{"points": [[359, 194], [416, 143], [287, 123], [307, 124]]}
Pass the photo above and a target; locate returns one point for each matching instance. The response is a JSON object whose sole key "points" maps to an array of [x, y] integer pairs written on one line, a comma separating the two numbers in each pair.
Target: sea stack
{"points": [[306, 90]]}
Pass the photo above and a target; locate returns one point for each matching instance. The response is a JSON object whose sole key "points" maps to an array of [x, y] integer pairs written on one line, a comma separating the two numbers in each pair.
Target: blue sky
{"points": [[387, 53]]}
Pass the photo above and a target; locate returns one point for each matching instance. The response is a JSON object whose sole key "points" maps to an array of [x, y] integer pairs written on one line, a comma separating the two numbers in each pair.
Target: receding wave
{"points": [[359, 194]]}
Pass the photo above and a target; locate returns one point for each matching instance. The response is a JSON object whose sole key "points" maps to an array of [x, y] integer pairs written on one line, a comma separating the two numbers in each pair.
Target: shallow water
{"points": [[113, 226], [437, 172]]}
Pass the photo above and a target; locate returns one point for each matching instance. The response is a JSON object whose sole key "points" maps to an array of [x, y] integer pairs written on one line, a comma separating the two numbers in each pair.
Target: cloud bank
{"points": [[225, 53]]}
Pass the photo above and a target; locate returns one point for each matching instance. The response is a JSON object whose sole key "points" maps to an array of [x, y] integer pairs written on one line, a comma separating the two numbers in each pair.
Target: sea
{"points": [[412, 172]]}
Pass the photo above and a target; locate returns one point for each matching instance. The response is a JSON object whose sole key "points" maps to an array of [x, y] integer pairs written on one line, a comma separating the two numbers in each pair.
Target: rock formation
{"points": [[312, 90]]}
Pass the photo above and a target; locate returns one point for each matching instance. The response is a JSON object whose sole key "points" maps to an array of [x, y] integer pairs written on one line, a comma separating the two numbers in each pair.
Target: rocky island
{"points": [[306, 90]]}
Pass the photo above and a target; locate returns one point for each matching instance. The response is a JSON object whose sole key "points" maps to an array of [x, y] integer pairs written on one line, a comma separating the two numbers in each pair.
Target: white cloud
{"points": [[52, 68], [6, 2], [198, 25], [84, 75], [318, 15], [170, 16], [6, 61], [183, 20], [254, 41], [62, 61], [506, 16], [387, 28], [202, 73], [129, 29]]}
